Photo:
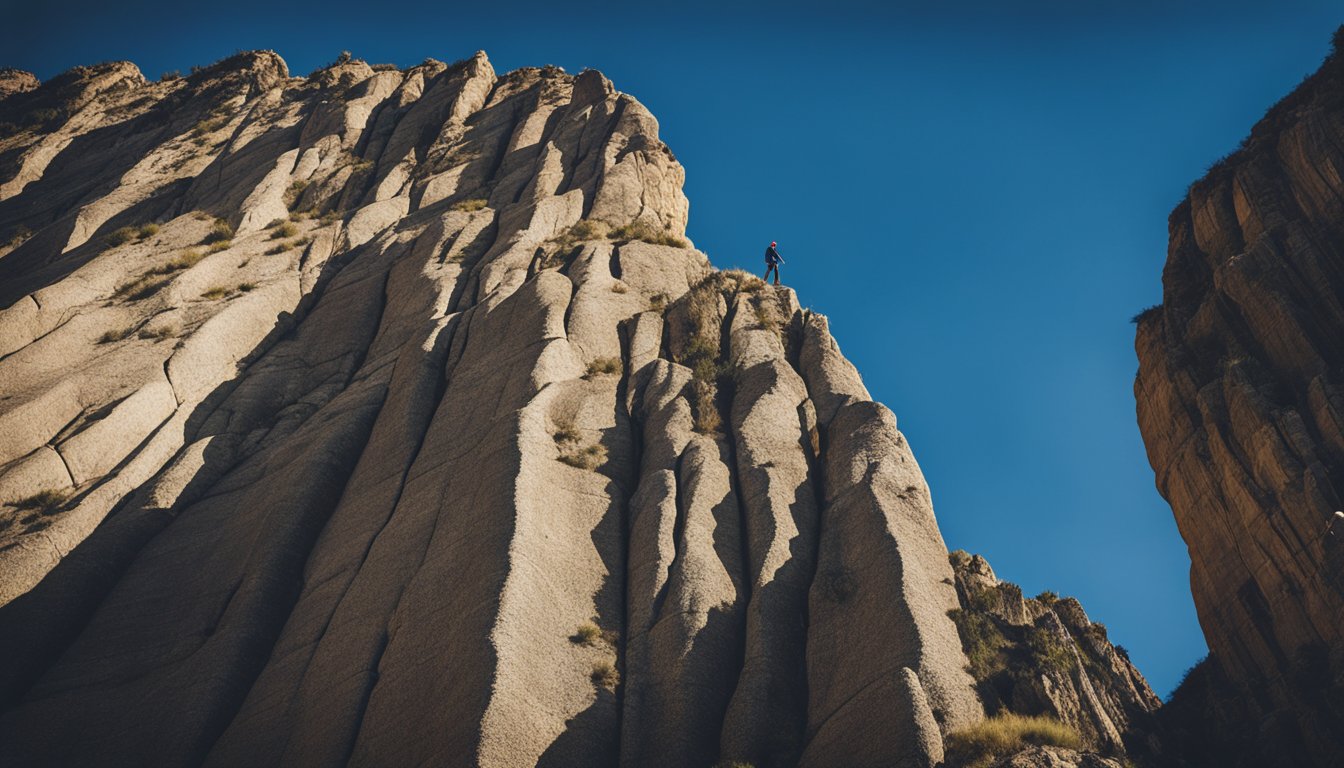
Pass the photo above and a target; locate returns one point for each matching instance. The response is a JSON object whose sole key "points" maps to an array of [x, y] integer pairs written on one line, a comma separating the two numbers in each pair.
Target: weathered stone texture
{"points": [[1241, 405], [334, 434]]}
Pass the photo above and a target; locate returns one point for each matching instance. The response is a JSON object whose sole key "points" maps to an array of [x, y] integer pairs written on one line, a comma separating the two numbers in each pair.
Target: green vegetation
{"points": [[981, 744], [604, 365], [284, 229], [246, 287], [604, 674], [220, 231], [474, 204], [44, 501], [1047, 597], [1049, 651], [642, 230]]}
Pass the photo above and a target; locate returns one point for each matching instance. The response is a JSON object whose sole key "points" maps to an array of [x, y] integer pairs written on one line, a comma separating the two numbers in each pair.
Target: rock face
{"points": [[1240, 397], [1043, 656], [385, 417]]}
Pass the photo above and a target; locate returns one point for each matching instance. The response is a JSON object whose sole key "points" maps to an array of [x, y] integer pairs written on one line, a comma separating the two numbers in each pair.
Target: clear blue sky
{"points": [[976, 194]]}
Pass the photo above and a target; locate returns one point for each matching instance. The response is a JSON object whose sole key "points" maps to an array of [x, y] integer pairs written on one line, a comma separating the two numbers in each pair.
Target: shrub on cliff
{"points": [[981, 744], [642, 230]]}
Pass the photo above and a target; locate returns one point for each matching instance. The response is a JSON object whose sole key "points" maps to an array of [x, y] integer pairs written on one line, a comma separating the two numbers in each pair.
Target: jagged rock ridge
{"points": [[1241, 405], [1043, 655], [384, 417]]}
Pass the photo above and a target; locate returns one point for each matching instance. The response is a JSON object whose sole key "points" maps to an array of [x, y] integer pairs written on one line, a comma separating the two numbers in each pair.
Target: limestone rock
{"points": [[337, 430], [1241, 408]]}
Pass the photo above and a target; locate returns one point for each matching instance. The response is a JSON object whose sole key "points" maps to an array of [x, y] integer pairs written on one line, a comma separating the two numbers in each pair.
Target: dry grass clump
{"points": [[283, 230], [330, 217], [185, 260], [44, 501], [590, 634], [619, 287], [473, 204], [604, 674], [220, 245], [159, 333], [216, 292], [142, 287], [565, 432], [588, 457], [981, 744], [604, 365], [208, 126], [221, 231], [279, 248], [293, 193], [642, 230], [580, 232], [127, 234], [115, 334], [658, 302]]}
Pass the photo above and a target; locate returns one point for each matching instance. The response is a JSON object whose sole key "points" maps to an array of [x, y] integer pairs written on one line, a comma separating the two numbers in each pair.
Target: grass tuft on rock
{"points": [[979, 745], [158, 333], [604, 674], [646, 232], [604, 366], [221, 231], [283, 230], [587, 457], [142, 287], [473, 204], [293, 193]]}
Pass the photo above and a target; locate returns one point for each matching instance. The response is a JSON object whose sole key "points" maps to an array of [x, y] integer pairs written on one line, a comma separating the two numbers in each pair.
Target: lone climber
{"points": [[772, 262]]}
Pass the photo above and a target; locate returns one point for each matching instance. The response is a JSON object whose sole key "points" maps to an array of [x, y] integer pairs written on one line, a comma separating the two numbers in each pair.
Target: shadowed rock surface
{"points": [[1043, 656], [1240, 397], [384, 417]]}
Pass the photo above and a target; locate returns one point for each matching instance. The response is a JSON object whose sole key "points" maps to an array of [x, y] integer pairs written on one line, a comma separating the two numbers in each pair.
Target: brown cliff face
{"points": [[384, 417], [1241, 404]]}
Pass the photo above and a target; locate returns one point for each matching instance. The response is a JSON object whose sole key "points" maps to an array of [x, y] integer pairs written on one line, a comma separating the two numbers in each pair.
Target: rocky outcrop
{"points": [[385, 417], [1043, 656], [1241, 406]]}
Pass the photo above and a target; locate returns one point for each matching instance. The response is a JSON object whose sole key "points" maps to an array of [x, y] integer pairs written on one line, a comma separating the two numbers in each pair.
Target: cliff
{"points": [[386, 417], [1241, 406]]}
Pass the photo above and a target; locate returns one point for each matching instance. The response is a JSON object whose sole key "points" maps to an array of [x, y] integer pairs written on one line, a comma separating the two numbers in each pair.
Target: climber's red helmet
{"points": [[773, 243]]}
